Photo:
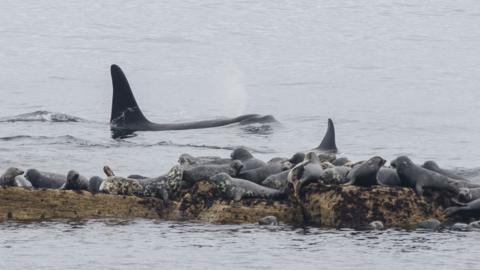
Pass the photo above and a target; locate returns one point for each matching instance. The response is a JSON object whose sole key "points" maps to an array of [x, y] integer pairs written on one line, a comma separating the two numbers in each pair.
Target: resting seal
{"points": [[75, 181], [45, 179], [468, 194], [249, 162], [8, 177], [365, 174], [469, 209], [237, 189], [388, 177], [189, 160], [305, 172], [277, 181], [335, 175], [204, 172], [258, 175], [94, 184], [433, 166], [419, 178], [21, 181], [117, 185]]}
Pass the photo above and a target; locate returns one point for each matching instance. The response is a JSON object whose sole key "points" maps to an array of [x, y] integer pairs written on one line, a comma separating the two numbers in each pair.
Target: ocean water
{"points": [[397, 77]]}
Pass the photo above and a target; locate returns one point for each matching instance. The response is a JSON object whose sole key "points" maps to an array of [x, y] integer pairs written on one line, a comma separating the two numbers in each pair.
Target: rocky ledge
{"points": [[319, 205]]}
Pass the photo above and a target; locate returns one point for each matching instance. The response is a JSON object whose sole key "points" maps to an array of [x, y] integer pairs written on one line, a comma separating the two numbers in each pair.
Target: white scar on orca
{"points": [[127, 117]]}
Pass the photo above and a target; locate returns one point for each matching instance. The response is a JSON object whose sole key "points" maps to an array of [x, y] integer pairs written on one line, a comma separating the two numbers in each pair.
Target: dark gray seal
{"points": [[468, 194], [189, 160], [469, 209], [310, 170], [258, 175], [75, 181], [388, 177], [126, 117], [7, 179], [94, 184], [45, 179], [237, 189], [365, 174], [419, 178], [204, 172], [247, 159], [433, 166]]}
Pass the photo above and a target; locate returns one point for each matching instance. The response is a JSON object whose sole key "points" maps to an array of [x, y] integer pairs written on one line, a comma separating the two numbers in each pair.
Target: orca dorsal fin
{"points": [[328, 143], [125, 110]]}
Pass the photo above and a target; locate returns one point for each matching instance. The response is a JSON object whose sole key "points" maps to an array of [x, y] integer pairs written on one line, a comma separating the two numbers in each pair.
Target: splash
{"points": [[42, 116]]}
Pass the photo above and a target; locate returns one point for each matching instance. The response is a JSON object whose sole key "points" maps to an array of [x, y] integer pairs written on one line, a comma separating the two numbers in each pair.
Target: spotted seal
{"points": [[335, 175], [365, 174], [204, 172], [117, 185], [419, 178], [75, 181], [41, 179], [8, 177], [249, 162], [237, 189]]}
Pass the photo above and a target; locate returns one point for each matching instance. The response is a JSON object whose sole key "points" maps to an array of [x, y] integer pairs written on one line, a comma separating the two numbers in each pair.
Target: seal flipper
{"points": [[125, 110], [328, 143]]}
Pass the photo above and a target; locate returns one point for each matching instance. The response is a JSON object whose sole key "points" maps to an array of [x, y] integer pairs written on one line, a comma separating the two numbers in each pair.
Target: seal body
{"points": [[189, 160], [388, 177], [416, 177], [247, 159], [433, 166], [471, 209], [277, 181], [258, 175], [117, 185], [8, 177], [365, 174], [310, 170], [335, 175], [94, 184], [41, 179], [21, 181], [205, 171], [236, 189], [75, 181]]}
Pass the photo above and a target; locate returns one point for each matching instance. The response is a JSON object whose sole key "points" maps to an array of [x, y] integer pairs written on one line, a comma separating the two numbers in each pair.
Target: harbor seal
{"points": [[189, 160], [259, 174], [277, 181], [117, 185], [41, 179], [471, 209], [247, 159], [21, 181], [8, 177], [468, 194], [416, 177], [310, 170], [388, 177], [433, 166], [94, 184], [127, 117], [335, 175], [365, 174], [75, 181], [204, 172], [237, 189]]}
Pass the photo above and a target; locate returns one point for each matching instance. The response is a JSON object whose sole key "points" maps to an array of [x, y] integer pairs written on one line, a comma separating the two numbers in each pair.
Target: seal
{"points": [[249, 162], [127, 117], [471, 209], [335, 175], [277, 181], [237, 189], [45, 179], [205, 172], [416, 177], [94, 184], [117, 185], [388, 177], [7, 179], [75, 181], [433, 166], [310, 170], [365, 174], [189, 160], [258, 175]]}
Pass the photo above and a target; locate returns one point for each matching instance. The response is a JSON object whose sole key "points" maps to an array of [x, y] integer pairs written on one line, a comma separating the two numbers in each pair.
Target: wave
{"points": [[42, 116]]}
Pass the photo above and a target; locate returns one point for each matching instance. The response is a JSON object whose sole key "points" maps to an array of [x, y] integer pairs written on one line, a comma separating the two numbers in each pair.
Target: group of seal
{"points": [[242, 175]]}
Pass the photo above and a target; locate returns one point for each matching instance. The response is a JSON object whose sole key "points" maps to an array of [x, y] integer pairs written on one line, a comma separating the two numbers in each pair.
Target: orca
{"points": [[127, 117], [328, 144]]}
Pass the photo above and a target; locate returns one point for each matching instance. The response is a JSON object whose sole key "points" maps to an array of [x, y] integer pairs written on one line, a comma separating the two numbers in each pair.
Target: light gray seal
{"points": [[277, 181], [117, 185], [365, 174], [310, 170], [21, 181], [335, 175], [249, 162], [388, 177], [41, 179], [8, 177], [189, 160], [419, 178], [204, 172], [237, 189], [75, 181]]}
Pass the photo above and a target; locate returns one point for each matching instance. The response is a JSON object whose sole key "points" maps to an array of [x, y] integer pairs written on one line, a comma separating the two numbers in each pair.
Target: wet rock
{"points": [[429, 224], [459, 227], [376, 225], [268, 220], [474, 225]]}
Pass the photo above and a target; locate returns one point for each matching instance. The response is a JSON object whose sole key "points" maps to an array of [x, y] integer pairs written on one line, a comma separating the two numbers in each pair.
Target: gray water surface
{"points": [[397, 77]]}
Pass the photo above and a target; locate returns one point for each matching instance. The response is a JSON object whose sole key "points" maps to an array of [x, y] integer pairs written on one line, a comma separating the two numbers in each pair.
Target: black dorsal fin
{"points": [[328, 143], [125, 110]]}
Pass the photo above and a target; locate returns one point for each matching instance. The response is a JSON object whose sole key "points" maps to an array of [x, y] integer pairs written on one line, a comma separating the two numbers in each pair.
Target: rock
{"points": [[268, 220], [376, 225], [474, 225], [459, 227], [429, 224]]}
